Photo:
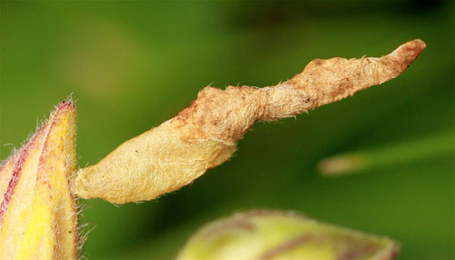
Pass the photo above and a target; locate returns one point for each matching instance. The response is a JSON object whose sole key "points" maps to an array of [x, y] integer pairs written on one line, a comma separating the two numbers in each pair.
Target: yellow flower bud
{"points": [[38, 217]]}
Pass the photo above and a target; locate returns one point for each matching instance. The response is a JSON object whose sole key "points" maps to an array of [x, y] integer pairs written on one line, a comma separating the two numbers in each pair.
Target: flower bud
{"points": [[38, 217], [268, 234]]}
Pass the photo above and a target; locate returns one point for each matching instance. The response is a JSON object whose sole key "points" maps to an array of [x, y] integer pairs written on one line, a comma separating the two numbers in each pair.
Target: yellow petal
{"points": [[38, 211]]}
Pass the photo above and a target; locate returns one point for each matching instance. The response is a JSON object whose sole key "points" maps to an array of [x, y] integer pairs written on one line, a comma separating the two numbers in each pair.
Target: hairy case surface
{"points": [[204, 135]]}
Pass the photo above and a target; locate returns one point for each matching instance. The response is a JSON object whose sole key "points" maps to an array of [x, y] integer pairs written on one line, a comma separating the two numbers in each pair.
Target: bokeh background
{"points": [[132, 65]]}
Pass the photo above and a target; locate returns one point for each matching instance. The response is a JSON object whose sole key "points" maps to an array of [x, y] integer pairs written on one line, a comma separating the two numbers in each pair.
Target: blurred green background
{"points": [[132, 65]]}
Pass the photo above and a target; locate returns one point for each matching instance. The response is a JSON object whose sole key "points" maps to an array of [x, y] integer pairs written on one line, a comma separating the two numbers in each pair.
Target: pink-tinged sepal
{"points": [[38, 217]]}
